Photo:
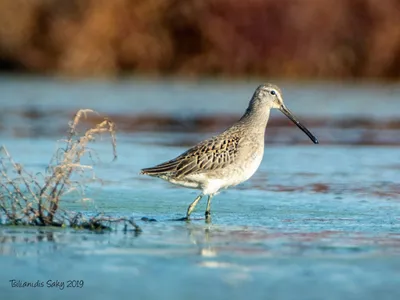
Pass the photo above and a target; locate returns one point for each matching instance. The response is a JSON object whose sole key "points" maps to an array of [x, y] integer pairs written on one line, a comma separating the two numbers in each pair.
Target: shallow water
{"points": [[315, 222]]}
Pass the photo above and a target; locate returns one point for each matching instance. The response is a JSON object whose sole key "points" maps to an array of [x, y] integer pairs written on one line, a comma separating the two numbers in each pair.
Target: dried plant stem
{"points": [[27, 200]]}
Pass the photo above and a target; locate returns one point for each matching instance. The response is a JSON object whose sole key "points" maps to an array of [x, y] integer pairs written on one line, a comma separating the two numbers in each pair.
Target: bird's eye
{"points": [[273, 93]]}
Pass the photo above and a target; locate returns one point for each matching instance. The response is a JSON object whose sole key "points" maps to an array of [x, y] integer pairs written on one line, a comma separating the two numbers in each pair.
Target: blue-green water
{"points": [[315, 222]]}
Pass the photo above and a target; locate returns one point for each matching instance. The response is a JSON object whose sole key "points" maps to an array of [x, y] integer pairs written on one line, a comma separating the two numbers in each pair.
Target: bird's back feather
{"points": [[212, 154]]}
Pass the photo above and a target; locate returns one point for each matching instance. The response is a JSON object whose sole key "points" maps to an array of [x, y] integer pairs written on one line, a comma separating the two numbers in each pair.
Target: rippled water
{"points": [[315, 222]]}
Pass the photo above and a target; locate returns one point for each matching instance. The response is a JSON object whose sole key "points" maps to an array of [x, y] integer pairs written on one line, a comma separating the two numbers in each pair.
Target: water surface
{"points": [[315, 222]]}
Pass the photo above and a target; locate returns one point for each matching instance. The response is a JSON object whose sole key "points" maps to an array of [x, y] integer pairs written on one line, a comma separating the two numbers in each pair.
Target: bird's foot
{"points": [[183, 219], [146, 219], [208, 216]]}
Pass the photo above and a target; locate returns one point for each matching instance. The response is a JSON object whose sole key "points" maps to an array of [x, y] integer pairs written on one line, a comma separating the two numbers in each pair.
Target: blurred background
{"points": [[323, 219], [316, 39], [281, 39], [175, 65]]}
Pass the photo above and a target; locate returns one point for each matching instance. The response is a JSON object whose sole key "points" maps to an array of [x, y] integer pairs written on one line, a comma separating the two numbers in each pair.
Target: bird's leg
{"points": [[193, 205], [208, 209]]}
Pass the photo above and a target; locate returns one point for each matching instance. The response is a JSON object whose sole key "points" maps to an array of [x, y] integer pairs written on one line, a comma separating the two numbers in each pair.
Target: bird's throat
{"points": [[255, 120]]}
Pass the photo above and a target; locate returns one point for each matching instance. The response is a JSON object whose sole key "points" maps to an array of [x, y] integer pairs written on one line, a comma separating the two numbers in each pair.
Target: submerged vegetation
{"points": [[35, 200]]}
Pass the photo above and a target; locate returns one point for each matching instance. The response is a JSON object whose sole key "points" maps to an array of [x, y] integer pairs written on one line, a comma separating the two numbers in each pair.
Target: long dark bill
{"points": [[288, 114]]}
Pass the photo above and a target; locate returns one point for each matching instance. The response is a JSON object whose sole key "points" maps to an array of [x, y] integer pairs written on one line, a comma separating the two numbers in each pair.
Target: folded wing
{"points": [[212, 154]]}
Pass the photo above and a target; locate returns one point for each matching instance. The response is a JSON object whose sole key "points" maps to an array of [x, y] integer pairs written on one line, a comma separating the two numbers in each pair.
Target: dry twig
{"points": [[30, 200]]}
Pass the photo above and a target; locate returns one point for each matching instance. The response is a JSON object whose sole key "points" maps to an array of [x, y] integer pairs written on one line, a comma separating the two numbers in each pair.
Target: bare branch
{"points": [[42, 195]]}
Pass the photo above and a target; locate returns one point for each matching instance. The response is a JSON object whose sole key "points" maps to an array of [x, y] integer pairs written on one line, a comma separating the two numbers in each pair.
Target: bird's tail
{"points": [[164, 168]]}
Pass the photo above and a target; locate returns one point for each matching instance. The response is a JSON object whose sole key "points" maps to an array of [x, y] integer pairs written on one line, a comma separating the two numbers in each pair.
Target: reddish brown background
{"points": [[331, 39]]}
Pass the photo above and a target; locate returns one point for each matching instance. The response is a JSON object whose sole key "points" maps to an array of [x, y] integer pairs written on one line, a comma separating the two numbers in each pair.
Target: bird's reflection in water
{"points": [[200, 235], [206, 238]]}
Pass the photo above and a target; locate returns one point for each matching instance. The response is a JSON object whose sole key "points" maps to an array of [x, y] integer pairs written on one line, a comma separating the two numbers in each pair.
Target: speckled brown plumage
{"points": [[212, 154]]}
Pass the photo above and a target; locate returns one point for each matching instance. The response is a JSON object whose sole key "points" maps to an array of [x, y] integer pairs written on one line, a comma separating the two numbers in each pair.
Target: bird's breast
{"points": [[251, 164], [244, 168]]}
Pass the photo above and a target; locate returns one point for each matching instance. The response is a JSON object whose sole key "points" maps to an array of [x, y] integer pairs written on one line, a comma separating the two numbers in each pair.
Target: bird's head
{"points": [[269, 96]]}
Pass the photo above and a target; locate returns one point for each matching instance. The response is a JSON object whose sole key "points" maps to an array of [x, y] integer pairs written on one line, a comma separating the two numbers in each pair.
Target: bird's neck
{"points": [[255, 120]]}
